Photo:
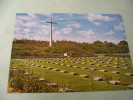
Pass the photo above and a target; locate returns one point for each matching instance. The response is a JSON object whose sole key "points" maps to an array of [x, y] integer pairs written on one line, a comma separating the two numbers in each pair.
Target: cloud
{"points": [[40, 38], [88, 32], [76, 25], [42, 32], [30, 27], [66, 30], [110, 32], [30, 24], [56, 33], [45, 26], [20, 23], [32, 15], [22, 17], [26, 30], [95, 17], [119, 27], [96, 23]]}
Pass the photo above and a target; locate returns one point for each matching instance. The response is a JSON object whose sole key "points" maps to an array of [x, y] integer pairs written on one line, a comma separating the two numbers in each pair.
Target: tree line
{"points": [[36, 48]]}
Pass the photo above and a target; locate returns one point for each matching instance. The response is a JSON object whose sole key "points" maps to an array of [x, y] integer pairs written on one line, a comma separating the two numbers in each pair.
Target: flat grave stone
{"points": [[84, 68], [77, 62], [115, 72], [103, 70], [84, 76], [57, 63], [38, 66], [69, 65], [74, 73], [109, 62], [116, 63], [107, 65], [114, 82], [33, 64], [49, 68], [98, 79], [98, 65], [130, 86], [116, 66], [129, 74], [62, 64], [91, 64], [56, 69], [83, 63], [48, 62], [126, 67], [43, 66], [93, 68], [76, 67], [63, 71], [124, 64]]}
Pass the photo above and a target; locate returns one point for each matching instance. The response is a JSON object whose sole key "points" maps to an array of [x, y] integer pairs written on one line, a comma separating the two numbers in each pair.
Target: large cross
{"points": [[50, 42]]}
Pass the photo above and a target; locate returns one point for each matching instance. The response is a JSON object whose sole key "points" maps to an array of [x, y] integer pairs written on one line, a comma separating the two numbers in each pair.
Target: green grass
{"points": [[77, 83]]}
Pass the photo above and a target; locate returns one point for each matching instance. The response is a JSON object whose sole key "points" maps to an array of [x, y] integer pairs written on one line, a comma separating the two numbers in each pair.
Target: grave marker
{"points": [[98, 79], [84, 76]]}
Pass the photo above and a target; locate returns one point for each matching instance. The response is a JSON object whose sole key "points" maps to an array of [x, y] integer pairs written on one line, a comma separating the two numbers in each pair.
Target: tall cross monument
{"points": [[50, 42]]}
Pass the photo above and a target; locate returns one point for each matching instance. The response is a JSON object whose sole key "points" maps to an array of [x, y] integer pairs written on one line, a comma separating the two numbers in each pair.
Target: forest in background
{"points": [[36, 48]]}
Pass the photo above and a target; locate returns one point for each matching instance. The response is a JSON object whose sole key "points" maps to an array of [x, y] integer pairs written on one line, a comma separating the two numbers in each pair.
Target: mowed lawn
{"points": [[76, 82]]}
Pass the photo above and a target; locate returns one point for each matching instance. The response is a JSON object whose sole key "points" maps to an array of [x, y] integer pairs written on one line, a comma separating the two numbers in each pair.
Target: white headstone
{"points": [[84, 76], [115, 72], [129, 74], [130, 86], [65, 54], [114, 82], [63, 71], [98, 79], [103, 70], [74, 73]]}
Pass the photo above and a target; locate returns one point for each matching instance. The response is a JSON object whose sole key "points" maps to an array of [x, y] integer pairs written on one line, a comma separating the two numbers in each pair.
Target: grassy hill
{"points": [[35, 48]]}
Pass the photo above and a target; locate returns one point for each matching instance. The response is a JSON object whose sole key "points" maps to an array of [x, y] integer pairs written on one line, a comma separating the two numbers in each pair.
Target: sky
{"points": [[70, 26]]}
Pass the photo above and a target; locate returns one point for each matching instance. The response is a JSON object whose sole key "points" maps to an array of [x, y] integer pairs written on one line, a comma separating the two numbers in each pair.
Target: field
{"points": [[73, 74]]}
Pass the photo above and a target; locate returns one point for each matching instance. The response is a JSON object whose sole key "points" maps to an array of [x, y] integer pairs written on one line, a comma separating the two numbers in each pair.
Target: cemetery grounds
{"points": [[72, 74]]}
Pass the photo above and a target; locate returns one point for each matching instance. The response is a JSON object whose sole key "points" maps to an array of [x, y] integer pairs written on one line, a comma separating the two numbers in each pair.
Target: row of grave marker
{"points": [[78, 66]]}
